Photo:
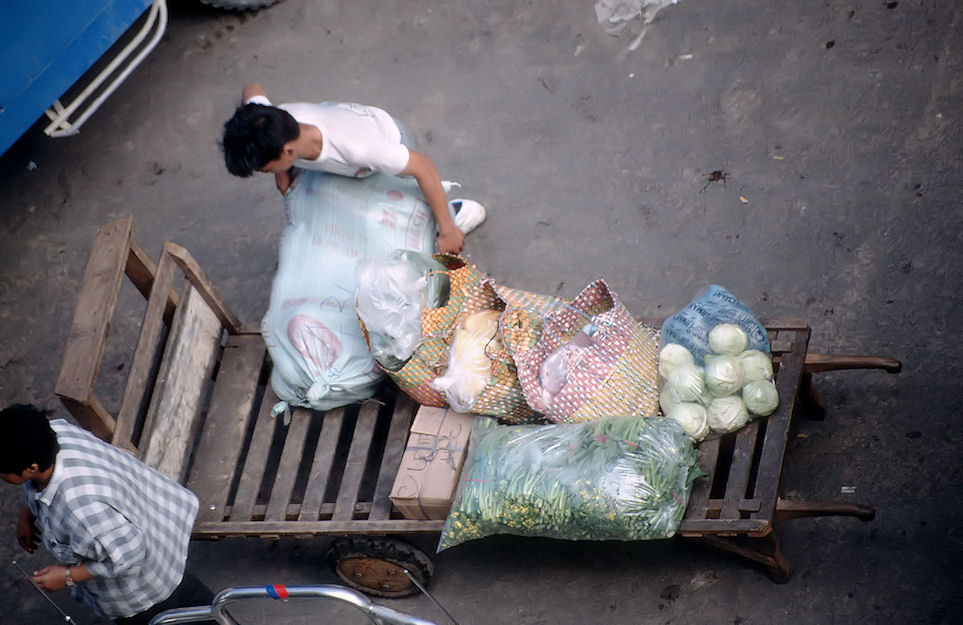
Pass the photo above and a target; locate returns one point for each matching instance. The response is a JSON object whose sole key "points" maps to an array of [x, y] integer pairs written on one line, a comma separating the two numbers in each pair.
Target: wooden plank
{"points": [[255, 461], [738, 479], [231, 409], [752, 551], [92, 416], [259, 511], [723, 526], [149, 348], [321, 465], [209, 529], [200, 281], [785, 323], [182, 386], [699, 497], [401, 419], [780, 346], [140, 268], [95, 309], [357, 458], [777, 428], [288, 466]]}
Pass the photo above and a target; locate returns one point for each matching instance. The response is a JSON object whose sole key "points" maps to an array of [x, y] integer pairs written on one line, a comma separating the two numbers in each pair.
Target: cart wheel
{"points": [[376, 565]]}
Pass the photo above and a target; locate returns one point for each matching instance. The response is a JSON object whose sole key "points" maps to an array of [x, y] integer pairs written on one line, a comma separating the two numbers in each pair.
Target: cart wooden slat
{"points": [[330, 473]]}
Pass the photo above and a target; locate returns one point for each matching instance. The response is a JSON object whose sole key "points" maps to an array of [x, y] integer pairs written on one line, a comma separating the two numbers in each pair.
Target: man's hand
{"points": [[450, 238], [51, 578], [28, 536], [451, 241]]}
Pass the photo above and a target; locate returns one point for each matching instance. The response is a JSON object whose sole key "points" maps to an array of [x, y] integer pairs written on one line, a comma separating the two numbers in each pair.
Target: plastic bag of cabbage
{"points": [[690, 327], [734, 385], [615, 478]]}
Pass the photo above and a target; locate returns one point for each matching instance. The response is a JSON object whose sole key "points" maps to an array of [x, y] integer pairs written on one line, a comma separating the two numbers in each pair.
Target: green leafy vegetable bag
{"points": [[616, 478]]}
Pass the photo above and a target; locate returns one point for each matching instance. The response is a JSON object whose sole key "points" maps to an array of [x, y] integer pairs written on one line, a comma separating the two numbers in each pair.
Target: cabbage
{"points": [[761, 397], [723, 375], [728, 338], [692, 418], [705, 397], [667, 400], [687, 382], [727, 414], [756, 365], [671, 356]]}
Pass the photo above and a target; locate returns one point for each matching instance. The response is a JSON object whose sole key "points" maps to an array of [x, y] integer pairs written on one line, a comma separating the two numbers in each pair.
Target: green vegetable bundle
{"points": [[616, 478]]}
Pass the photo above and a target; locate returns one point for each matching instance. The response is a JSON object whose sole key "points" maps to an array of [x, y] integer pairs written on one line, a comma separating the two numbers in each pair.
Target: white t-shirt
{"points": [[355, 139]]}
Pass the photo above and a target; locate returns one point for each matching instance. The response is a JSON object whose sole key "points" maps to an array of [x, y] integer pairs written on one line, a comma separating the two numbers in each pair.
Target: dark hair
{"points": [[255, 136], [25, 438]]}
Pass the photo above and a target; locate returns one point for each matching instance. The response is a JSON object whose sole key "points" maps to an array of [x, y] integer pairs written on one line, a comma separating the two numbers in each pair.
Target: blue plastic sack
{"points": [[690, 326], [311, 328]]}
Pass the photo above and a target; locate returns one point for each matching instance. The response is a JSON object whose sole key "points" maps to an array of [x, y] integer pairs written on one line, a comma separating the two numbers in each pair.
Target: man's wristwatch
{"points": [[68, 580]]}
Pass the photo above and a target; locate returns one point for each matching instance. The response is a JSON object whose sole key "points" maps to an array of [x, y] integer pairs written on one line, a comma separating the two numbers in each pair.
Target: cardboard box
{"points": [[428, 475]]}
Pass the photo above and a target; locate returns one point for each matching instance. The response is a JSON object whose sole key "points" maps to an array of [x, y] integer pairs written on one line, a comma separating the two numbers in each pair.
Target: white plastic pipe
{"points": [[61, 126]]}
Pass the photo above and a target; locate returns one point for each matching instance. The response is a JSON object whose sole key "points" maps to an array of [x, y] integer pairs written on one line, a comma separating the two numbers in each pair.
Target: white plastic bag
{"points": [[390, 296], [554, 370], [469, 364]]}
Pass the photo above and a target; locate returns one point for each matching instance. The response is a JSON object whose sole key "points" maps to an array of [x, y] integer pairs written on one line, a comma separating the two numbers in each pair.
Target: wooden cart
{"points": [[197, 406]]}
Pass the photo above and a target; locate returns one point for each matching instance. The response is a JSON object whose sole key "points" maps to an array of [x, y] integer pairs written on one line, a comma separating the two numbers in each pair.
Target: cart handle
{"points": [[835, 362], [218, 612]]}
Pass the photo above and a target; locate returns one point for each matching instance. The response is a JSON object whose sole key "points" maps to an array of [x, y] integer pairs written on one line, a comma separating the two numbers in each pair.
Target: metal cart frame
{"points": [[217, 611]]}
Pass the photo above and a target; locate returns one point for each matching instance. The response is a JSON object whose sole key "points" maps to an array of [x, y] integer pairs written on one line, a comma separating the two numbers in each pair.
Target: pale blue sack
{"points": [[311, 328]]}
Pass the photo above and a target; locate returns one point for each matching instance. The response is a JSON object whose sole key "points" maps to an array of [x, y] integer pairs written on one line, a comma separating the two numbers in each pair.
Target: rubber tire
{"points": [[239, 5], [383, 553]]}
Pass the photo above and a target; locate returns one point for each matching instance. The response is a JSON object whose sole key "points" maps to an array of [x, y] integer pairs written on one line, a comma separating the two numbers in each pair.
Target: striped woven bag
{"points": [[617, 375]]}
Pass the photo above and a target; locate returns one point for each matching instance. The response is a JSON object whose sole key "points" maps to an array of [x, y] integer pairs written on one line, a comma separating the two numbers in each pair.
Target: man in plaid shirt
{"points": [[119, 528]]}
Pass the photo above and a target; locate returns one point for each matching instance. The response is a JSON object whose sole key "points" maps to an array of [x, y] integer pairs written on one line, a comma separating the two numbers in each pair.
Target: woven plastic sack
{"points": [[470, 292], [321, 359], [617, 478], [617, 374], [690, 326]]}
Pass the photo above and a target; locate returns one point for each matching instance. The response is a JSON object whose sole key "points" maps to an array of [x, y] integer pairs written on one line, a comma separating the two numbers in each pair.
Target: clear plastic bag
{"points": [[389, 302], [616, 478], [554, 371]]}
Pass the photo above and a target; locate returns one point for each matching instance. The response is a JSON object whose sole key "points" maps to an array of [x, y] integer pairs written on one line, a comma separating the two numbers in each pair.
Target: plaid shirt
{"points": [[128, 523]]}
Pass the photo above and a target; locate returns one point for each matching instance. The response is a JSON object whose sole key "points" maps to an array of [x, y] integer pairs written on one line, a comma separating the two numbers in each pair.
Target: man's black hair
{"points": [[26, 438], [255, 136]]}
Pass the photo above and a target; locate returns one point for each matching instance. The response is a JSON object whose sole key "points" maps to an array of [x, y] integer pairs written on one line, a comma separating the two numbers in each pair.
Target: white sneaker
{"points": [[468, 214]]}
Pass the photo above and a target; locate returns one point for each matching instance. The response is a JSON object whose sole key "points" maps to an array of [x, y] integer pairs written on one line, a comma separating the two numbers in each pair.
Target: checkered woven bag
{"points": [[616, 375], [470, 292]]}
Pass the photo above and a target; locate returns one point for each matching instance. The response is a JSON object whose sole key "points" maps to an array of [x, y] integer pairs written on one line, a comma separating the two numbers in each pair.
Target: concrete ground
{"points": [[838, 127]]}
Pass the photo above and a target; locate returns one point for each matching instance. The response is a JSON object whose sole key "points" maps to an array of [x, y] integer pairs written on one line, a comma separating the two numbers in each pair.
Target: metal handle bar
{"points": [[378, 614]]}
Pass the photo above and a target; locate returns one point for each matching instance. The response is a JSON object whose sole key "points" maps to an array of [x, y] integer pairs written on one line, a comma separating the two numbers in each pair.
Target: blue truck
{"points": [[63, 58]]}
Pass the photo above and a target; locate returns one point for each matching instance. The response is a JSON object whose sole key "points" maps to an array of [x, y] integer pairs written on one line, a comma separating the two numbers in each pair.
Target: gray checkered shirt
{"points": [[128, 523]]}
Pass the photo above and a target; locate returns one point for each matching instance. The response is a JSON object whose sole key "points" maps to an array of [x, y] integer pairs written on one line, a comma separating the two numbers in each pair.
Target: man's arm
{"points": [[450, 238], [250, 90], [27, 532], [53, 578], [281, 179]]}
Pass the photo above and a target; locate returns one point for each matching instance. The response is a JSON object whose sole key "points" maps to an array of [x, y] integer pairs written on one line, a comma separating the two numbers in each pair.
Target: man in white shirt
{"points": [[340, 138]]}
